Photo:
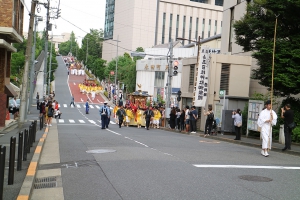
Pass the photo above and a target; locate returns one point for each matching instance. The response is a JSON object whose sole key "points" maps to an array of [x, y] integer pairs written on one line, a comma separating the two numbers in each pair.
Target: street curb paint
{"points": [[27, 186]]}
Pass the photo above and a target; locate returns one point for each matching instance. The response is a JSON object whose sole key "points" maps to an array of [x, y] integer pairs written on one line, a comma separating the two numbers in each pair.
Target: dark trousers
{"points": [[237, 132], [193, 125], [38, 105], [104, 121], [208, 125], [72, 103], [287, 136], [57, 116], [147, 123], [178, 123], [181, 124], [108, 121], [120, 122]]}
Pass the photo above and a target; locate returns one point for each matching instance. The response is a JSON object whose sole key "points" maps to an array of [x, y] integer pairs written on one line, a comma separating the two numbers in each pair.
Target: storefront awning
{"points": [[10, 91]]}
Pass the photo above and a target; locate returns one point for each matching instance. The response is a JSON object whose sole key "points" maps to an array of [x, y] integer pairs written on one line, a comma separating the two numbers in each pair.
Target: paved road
{"points": [[159, 164]]}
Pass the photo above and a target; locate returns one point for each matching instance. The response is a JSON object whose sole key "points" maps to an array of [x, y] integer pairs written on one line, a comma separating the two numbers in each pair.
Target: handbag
{"points": [[239, 124], [292, 125]]}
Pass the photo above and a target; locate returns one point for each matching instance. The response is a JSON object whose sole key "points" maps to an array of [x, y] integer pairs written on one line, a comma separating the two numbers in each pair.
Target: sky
{"points": [[85, 14]]}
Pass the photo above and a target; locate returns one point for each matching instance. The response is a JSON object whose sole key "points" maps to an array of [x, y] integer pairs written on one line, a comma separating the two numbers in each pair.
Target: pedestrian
{"points": [[42, 109], [266, 119], [182, 116], [193, 118], [15, 108], [72, 100], [178, 113], [148, 116], [104, 113], [50, 114], [209, 121], [156, 117], [53, 94], [37, 101], [288, 115], [87, 107], [120, 115], [237, 116], [57, 114], [187, 119], [173, 118]]}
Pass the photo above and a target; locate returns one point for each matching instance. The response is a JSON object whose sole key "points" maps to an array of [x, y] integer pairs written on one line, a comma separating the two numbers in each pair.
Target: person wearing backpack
{"points": [[50, 113], [209, 121], [121, 113]]}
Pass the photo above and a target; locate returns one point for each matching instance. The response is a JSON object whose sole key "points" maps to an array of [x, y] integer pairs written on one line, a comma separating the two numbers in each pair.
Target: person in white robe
{"points": [[93, 95], [267, 118]]}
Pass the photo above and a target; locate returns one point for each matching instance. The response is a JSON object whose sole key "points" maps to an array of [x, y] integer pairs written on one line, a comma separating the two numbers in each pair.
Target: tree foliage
{"points": [[255, 32]]}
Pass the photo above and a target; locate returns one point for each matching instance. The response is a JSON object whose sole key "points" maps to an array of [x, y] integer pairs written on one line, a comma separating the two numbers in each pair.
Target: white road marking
{"points": [[92, 121], [81, 121], [113, 132], [71, 121], [91, 106], [112, 122], [61, 121], [99, 121], [1, 134], [99, 101], [246, 166], [78, 106], [97, 107], [65, 105]]}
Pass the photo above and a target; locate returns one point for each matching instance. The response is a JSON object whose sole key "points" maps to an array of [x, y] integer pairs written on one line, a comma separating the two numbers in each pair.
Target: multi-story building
{"points": [[235, 10], [11, 28], [146, 23]]}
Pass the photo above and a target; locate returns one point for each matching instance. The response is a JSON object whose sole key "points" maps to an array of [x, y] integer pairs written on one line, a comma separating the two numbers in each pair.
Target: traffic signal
{"points": [[179, 95], [175, 67]]}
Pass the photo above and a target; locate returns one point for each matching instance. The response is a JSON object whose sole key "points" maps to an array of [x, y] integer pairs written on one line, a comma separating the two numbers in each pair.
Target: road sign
{"points": [[222, 93], [112, 73]]}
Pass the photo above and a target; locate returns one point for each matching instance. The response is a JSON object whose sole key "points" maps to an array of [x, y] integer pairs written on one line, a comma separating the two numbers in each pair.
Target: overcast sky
{"points": [[85, 14]]}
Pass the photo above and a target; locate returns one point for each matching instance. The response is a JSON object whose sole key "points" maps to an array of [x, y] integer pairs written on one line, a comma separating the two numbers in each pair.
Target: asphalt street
{"points": [[134, 163]]}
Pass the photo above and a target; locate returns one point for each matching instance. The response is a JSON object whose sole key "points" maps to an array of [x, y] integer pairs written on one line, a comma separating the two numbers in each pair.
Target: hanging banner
{"points": [[202, 78]]}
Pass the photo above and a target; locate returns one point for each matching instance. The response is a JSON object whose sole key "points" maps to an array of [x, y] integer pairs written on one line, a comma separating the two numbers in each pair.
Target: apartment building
{"points": [[11, 28], [146, 23]]}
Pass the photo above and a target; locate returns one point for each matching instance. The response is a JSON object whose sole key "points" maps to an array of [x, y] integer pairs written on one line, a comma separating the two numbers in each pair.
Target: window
{"points": [[203, 28], [15, 14], [219, 2], [197, 26], [159, 79], [216, 24], [200, 1], [163, 29], [209, 27], [170, 27], [191, 78], [225, 74], [183, 30], [177, 26], [109, 19], [231, 29], [190, 30]]}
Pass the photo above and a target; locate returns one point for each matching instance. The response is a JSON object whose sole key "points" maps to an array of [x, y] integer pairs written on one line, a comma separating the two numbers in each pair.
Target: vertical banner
{"points": [[202, 78]]}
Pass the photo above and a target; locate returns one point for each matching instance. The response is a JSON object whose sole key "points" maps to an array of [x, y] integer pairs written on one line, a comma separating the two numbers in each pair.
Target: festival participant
{"points": [[266, 119], [156, 117], [139, 117], [129, 116], [121, 113], [148, 116], [115, 111]]}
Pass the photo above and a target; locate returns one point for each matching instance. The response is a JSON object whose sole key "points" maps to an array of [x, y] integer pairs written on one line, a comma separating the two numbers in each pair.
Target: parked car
{"points": [[10, 106]]}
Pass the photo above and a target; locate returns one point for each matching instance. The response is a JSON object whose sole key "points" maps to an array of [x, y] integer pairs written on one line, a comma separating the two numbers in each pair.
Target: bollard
{"points": [[25, 145], [11, 166], [41, 124], [35, 129], [20, 151], [2, 168], [30, 136]]}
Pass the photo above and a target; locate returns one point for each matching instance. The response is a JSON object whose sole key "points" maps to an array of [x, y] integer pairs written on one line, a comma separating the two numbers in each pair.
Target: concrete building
{"points": [[146, 23], [235, 10], [11, 28]]}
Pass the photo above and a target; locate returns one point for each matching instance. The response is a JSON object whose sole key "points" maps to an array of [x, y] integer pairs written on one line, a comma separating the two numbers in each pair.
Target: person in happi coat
{"points": [[267, 118]]}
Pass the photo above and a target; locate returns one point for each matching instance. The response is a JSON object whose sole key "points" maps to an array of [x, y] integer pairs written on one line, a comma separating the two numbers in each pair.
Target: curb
{"points": [[9, 125], [27, 186]]}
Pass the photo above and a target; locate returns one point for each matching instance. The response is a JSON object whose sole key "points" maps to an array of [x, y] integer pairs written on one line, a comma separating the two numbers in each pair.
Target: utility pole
{"points": [[170, 74], [49, 77], [24, 102], [46, 48], [117, 95]]}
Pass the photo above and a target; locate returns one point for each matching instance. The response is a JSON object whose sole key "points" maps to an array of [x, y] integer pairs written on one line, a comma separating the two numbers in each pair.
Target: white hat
{"points": [[105, 102]]}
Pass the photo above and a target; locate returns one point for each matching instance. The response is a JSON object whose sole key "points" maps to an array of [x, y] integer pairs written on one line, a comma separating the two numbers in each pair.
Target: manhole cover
{"points": [[255, 178], [101, 151]]}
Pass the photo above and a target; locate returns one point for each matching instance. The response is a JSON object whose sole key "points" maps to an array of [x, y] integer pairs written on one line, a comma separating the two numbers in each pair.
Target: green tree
{"points": [[255, 32]]}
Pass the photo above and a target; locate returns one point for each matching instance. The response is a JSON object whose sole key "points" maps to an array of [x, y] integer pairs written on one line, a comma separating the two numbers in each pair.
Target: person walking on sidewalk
{"points": [[237, 116], [121, 114], [37, 101], [104, 113], [87, 107], [267, 118], [50, 114], [288, 115], [72, 100], [187, 119]]}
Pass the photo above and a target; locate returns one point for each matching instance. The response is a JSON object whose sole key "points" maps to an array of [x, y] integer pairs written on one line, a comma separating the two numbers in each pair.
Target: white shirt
{"points": [[237, 119], [187, 116], [14, 103]]}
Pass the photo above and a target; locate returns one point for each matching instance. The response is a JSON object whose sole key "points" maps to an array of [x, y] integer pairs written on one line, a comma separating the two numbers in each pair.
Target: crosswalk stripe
{"points": [[65, 105], [91, 106], [59, 105], [81, 121], [99, 121], [78, 106], [112, 122], [71, 121], [61, 121], [97, 107], [92, 121]]}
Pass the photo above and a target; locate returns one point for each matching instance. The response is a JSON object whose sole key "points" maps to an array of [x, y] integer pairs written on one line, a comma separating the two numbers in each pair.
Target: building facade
{"points": [[11, 28], [146, 23]]}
